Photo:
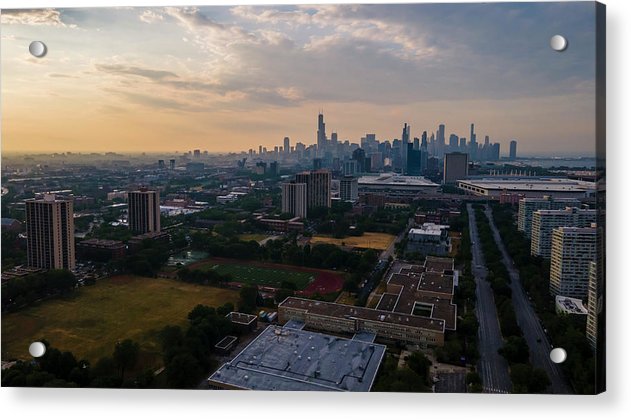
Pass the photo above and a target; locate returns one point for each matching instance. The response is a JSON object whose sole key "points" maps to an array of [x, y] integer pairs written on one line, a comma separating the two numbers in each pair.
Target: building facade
{"points": [[318, 187], [455, 167], [527, 206], [50, 233], [544, 221], [573, 250], [144, 211], [349, 190], [294, 199]]}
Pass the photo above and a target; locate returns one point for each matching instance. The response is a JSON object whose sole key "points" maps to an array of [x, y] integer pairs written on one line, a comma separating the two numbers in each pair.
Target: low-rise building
{"points": [[416, 309], [100, 249], [429, 239], [290, 359]]}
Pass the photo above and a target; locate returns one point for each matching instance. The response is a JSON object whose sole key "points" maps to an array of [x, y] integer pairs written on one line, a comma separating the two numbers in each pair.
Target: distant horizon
{"points": [[230, 78]]}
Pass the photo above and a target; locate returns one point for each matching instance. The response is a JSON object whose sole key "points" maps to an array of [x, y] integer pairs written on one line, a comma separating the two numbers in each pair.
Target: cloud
{"points": [[122, 70], [151, 16], [49, 17]]}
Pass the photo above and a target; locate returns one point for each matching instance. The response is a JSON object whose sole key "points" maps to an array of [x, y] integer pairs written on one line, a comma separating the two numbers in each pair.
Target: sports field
{"points": [[90, 323], [262, 276], [372, 240], [307, 280]]}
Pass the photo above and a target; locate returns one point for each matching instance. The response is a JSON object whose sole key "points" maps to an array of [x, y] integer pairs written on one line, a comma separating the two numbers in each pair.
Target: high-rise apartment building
{"points": [[455, 167], [144, 211], [573, 250], [318, 187], [294, 199], [50, 233], [527, 206], [349, 189], [513, 150], [594, 303], [544, 221]]}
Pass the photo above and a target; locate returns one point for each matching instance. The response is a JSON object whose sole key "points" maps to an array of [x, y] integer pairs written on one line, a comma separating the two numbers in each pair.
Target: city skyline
{"points": [[229, 78]]}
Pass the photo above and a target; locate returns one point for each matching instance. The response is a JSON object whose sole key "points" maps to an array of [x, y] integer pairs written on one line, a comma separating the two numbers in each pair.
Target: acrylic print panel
{"points": [[403, 198]]}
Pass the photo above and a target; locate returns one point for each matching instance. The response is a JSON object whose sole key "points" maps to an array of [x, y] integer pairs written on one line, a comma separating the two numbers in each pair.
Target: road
{"points": [[492, 367], [528, 321], [389, 252]]}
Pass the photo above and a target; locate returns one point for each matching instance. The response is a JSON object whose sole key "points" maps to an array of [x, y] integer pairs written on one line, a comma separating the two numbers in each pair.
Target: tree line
{"points": [[566, 331], [525, 377], [187, 357]]}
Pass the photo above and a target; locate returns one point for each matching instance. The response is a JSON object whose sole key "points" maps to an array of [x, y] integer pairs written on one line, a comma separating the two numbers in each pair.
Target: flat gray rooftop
{"points": [[286, 359]]}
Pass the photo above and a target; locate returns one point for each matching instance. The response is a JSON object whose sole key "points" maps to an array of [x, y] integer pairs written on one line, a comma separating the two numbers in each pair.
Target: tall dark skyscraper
{"points": [[453, 143], [321, 135], [286, 146], [417, 143], [473, 144], [50, 233], [405, 140], [513, 150], [143, 210], [414, 161], [440, 140]]}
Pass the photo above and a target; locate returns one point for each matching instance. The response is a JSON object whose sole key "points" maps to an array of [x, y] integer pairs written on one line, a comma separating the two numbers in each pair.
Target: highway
{"points": [[492, 368], [528, 321]]}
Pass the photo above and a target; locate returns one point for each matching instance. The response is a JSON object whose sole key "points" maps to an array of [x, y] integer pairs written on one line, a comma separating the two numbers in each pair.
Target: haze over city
{"points": [[232, 78]]}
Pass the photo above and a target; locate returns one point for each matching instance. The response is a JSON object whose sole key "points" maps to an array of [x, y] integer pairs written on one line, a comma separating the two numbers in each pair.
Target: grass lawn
{"points": [[378, 241], [253, 237], [262, 276], [91, 322]]}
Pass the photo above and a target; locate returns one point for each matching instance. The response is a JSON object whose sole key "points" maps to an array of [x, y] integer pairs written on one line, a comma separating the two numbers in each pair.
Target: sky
{"points": [[230, 78]]}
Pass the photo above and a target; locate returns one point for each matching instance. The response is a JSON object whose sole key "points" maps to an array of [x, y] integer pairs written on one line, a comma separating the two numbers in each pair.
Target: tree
{"points": [[125, 355], [350, 286], [183, 371], [249, 298], [515, 350], [420, 365]]}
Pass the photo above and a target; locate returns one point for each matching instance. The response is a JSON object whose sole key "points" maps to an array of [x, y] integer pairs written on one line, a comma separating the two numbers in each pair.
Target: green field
{"points": [[91, 322], [261, 276]]}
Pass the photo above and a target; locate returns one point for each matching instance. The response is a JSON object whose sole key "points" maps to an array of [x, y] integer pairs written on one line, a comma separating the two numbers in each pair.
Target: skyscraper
{"points": [[286, 147], [50, 233], [143, 211], [440, 141], [453, 143], [414, 161], [405, 139], [321, 135], [473, 144], [318, 187], [455, 167], [513, 150], [294, 199]]}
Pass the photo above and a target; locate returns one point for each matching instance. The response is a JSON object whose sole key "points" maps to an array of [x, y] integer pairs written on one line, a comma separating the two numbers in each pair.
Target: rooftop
{"points": [[337, 310], [393, 179], [570, 305], [287, 359], [531, 184], [241, 318]]}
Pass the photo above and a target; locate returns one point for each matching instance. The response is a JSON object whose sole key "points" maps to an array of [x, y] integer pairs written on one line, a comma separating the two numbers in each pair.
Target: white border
{"points": [[162, 404]]}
